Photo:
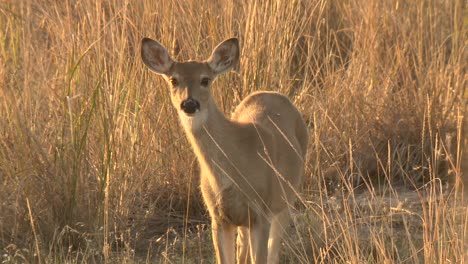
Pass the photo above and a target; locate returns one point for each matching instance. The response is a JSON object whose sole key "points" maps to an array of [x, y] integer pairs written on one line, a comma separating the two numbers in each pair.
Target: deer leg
{"points": [[224, 242], [278, 226], [243, 246], [259, 233]]}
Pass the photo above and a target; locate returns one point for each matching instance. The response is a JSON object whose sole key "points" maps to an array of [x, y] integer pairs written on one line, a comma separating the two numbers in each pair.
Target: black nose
{"points": [[190, 106]]}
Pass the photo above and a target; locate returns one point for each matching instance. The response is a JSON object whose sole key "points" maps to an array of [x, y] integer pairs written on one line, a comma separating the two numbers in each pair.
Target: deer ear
{"points": [[224, 56], [155, 56]]}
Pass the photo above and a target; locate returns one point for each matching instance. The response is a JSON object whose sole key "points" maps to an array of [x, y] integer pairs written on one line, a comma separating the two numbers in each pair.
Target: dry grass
{"points": [[95, 168]]}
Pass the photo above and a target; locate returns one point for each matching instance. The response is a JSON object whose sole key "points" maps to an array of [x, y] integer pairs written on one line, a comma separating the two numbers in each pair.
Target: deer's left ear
{"points": [[155, 56], [224, 56]]}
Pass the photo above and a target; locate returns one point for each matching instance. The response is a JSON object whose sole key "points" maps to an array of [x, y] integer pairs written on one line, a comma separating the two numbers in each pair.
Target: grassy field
{"points": [[94, 166]]}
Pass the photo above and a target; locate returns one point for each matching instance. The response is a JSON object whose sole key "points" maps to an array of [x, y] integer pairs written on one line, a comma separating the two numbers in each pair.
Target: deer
{"points": [[251, 165]]}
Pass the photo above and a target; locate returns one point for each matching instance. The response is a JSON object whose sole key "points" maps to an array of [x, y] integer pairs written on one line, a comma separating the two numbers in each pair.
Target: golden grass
{"points": [[94, 166]]}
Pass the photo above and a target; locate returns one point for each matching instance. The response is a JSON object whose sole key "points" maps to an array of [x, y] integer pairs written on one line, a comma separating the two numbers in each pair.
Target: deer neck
{"points": [[214, 139]]}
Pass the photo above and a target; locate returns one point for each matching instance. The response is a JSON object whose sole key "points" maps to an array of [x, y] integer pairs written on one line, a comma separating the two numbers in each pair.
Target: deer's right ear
{"points": [[155, 56]]}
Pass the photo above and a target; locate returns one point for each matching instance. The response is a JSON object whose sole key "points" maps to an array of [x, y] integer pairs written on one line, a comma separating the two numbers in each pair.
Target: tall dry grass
{"points": [[94, 166]]}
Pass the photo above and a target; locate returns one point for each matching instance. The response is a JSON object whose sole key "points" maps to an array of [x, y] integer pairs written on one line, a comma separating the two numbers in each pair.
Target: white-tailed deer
{"points": [[251, 165]]}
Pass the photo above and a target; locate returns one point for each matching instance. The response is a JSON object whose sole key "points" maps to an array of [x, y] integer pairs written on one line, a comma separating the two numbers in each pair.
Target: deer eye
{"points": [[174, 81], [205, 81]]}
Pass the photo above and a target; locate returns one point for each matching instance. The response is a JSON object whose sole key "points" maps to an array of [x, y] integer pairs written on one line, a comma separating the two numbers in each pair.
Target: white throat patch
{"points": [[194, 122]]}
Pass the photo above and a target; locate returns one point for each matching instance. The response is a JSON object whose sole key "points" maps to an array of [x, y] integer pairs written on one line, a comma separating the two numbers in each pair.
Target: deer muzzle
{"points": [[190, 106]]}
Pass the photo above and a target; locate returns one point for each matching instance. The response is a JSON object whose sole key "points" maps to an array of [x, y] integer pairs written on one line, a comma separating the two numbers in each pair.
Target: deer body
{"points": [[251, 165]]}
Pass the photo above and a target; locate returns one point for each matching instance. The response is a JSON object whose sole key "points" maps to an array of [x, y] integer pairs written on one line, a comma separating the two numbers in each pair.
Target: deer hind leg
{"points": [[278, 226], [224, 242], [243, 247]]}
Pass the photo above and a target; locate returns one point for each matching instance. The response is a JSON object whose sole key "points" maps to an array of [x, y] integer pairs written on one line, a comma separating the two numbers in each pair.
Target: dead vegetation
{"points": [[94, 166]]}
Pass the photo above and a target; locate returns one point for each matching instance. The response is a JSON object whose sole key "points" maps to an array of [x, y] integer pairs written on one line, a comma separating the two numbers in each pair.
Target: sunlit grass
{"points": [[95, 167]]}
